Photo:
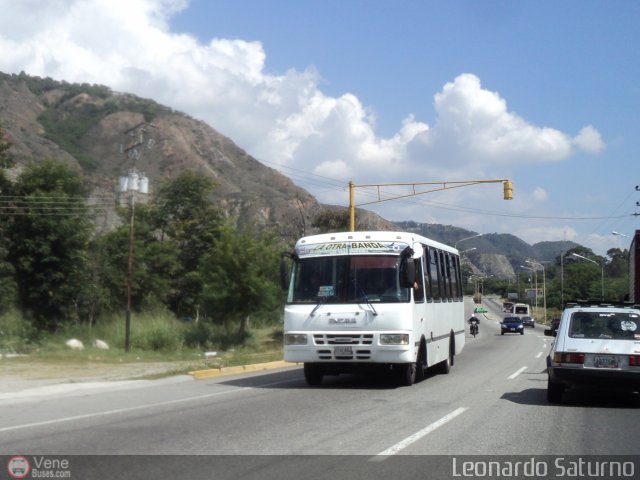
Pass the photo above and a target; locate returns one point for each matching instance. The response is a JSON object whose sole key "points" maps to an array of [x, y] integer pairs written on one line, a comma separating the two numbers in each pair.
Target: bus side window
{"points": [[447, 276], [458, 278], [427, 275], [418, 293], [435, 271], [446, 293], [451, 271]]}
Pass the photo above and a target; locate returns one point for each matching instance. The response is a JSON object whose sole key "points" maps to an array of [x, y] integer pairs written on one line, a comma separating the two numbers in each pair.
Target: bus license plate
{"points": [[343, 351], [605, 361]]}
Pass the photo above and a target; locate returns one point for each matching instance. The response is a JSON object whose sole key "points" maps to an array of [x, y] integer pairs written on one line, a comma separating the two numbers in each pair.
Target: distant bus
{"points": [[521, 309], [373, 300], [507, 307]]}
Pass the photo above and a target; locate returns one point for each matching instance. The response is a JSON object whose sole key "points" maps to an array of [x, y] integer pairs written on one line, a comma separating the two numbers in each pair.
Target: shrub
{"points": [[17, 335]]}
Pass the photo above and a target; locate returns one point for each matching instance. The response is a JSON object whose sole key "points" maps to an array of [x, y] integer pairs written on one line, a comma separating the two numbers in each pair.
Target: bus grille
{"points": [[358, 354], [343, 339]]}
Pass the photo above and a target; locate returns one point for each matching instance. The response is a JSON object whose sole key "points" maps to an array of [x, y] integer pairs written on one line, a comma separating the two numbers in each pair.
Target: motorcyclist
{"points": [[475, 319]]}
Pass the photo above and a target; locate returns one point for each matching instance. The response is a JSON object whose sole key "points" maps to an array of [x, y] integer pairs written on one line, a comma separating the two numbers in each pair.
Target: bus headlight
{"points": [[394, 339], [295, 339]]}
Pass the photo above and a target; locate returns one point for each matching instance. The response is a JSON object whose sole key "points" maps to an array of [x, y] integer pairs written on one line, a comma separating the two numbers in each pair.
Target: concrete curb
{"points": [[218, 372]]}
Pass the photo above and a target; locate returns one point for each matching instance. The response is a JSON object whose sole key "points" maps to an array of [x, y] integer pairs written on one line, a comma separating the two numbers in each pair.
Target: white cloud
{"points": [[285, 119], [540, 194], [474, 125], [589, 140]]}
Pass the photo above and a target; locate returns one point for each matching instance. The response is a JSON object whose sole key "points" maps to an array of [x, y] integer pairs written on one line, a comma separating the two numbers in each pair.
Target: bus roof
{"points": [[368, 242]]}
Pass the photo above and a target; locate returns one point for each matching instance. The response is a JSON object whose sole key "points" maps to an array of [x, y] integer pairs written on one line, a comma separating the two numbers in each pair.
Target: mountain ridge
{"points": [[95, 130]]}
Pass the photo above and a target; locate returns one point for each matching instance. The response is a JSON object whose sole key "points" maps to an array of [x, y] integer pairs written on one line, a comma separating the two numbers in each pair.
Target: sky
{"points": [[544, 93]]}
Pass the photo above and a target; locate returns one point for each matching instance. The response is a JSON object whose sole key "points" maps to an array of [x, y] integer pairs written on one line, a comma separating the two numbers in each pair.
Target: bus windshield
{"points": [[347, 279]]}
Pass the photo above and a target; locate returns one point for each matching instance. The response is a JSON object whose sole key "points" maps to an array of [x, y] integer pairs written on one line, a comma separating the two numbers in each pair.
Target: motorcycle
{"points": [[473, 327]]}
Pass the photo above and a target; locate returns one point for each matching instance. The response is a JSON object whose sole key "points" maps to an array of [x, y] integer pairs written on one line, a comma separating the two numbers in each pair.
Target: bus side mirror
{"points": [[407, 272]]}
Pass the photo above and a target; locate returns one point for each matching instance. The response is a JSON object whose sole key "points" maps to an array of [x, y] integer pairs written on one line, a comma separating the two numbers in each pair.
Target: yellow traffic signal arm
{"points": [[508, 192]]}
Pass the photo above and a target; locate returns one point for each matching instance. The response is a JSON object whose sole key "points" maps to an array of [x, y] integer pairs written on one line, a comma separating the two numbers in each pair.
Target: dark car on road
{"points": [[511, 324], [553, 327], [528, 321]]}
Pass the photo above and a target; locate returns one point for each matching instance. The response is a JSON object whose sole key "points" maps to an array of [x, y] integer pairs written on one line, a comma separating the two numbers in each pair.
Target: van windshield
{"points": [[347, 279]]}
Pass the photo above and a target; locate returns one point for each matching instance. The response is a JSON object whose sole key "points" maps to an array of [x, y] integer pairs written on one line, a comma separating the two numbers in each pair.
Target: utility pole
{"points": [[133, 183]]}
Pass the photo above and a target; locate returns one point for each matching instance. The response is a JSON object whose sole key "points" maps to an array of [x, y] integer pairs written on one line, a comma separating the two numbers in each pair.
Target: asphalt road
{"points": [[492, 403]]}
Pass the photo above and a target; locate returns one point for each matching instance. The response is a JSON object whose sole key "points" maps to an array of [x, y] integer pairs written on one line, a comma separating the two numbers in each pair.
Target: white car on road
{"points": [[596, 345]]}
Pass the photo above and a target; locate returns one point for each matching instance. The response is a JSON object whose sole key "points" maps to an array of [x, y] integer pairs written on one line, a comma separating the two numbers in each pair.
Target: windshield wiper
{"points": [[364, 295], [321, 302]]}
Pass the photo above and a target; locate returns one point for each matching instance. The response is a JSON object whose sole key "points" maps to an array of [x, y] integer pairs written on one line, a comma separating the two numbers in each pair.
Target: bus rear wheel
{"points": [[444, 367], [313, 374]]}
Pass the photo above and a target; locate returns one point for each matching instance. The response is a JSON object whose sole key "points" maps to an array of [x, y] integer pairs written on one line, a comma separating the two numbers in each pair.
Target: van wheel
{"points": [[313, 374]]}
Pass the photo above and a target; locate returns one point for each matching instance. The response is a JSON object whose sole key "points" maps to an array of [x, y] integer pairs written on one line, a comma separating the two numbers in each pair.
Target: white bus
{"points": [[363, 300]]}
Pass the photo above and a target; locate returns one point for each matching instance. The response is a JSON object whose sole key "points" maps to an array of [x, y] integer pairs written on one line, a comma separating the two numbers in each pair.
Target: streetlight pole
{"points": [[601, 266], [455, 245], [482, 286], [562, 279], [535, 274], [475, 287], [618, 233], [544, 288]]}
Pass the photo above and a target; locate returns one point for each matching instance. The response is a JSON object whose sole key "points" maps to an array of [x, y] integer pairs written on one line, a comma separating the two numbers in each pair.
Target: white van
{"points": [[522, 310]]}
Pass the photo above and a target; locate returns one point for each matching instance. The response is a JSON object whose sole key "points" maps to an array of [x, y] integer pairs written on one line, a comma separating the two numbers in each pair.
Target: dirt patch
{"points": [[23, 371]]}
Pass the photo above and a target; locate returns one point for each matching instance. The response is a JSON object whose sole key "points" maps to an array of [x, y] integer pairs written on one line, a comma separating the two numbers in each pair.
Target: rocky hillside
{"points": [[105, 134], [497, 254], [98, 130]]}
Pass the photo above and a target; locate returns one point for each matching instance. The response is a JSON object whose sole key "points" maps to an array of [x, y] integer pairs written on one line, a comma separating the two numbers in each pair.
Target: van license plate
{"points": [[343, 351], [605, 361]]}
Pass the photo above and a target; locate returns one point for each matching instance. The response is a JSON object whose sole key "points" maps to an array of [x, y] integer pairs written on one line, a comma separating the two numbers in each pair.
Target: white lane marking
{"points": [[511, 377], [539, 354], [419, 434], [133, 409]]}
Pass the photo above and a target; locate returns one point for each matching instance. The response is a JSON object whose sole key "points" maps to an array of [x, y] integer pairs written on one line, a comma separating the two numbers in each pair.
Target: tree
{"points": [[6, 160], [332, 221], [240, 277], [48, 234], [8, 287], [183, 213], [618, 264], [155, 263]]}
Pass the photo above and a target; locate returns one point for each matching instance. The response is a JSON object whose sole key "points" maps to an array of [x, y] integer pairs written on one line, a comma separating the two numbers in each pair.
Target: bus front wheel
{"points": [[313, 374], [406, 374]]}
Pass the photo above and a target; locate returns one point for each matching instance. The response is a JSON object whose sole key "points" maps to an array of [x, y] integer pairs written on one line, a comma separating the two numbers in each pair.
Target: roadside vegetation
{"points": [[197, 283]]}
